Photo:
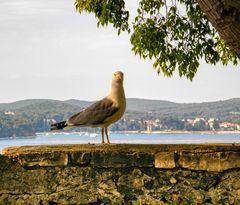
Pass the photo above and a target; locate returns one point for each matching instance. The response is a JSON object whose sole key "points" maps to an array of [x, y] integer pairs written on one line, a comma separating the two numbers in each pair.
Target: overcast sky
{"points": [[47, 50]]}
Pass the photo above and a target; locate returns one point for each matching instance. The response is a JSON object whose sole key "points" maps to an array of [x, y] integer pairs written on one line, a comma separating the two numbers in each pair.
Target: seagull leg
{"points": [[103, 136], [106, 133]]}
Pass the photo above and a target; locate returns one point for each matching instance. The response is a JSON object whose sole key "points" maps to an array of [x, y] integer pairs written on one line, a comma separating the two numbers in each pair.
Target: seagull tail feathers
{"points": [[59, 125]]}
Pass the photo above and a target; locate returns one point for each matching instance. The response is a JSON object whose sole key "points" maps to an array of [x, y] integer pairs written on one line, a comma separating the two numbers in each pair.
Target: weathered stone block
{"points": [[229, 160], [75, 195], [121, 174], [24, 199], [165, 160], [142, 159], [43, 159], [79, 158], [8, 165], [76, 185], [214, 161], [112, 159], [14, 179], [37, 181], [200, 161]]}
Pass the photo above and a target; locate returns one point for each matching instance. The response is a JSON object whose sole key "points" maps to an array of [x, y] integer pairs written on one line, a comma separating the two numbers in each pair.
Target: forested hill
{"points": [[26, 117], [218, 109]]}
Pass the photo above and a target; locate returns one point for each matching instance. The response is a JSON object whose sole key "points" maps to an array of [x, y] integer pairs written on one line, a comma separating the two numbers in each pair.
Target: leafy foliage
{"points": [[107, 11], [174, 34]]}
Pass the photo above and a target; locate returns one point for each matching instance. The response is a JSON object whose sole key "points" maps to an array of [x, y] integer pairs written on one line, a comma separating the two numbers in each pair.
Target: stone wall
{"points": [[121, 174]]}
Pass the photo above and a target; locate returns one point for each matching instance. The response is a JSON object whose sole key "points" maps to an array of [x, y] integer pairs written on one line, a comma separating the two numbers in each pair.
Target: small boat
{"points": [[93, 135]]}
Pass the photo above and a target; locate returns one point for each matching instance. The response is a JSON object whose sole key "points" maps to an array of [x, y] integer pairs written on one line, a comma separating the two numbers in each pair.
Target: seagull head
{"points": [[117, 77]]}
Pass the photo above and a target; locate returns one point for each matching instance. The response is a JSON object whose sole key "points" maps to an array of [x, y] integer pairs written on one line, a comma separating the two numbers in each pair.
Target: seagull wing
{"points": [[96, 114]]}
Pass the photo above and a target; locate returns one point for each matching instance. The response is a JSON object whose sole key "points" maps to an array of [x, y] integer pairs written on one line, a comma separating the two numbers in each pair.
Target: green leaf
{"points": [[173, 38]]}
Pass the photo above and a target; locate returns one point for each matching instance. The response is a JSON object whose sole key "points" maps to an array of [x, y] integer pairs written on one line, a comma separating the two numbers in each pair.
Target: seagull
{"points": [[101, 113]]}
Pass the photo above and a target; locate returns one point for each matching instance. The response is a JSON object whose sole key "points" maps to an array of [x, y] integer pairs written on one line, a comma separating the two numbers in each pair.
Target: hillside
{"points": [[145, 105], [79, 103], [218, 109], [20, 104], [24, 118]]}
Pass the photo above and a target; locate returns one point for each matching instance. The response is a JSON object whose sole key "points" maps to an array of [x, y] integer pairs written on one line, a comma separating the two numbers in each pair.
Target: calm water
{"points": [[43, 139]]}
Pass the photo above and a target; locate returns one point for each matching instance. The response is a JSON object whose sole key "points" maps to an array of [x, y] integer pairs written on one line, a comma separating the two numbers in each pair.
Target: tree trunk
{"points": [[225, 18]]}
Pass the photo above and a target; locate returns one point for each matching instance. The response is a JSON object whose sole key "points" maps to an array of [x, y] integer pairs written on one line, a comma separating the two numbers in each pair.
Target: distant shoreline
{"points": [[180, 132], [147, 132]]}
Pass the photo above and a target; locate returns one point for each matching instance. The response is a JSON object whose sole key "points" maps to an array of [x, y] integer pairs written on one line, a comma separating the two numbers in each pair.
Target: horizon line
{"points": [[137, 98]]}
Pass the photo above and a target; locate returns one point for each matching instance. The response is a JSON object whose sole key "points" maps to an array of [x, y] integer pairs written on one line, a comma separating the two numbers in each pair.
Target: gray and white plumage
{"points": [[101, 113]]}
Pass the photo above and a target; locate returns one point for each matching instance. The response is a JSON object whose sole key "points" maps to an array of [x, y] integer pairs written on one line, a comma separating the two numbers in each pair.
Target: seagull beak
{"points": [[118, 77]]}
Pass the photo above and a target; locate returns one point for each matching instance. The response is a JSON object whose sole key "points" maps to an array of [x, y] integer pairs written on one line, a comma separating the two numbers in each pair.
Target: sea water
{"points": [[137, 138]]}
